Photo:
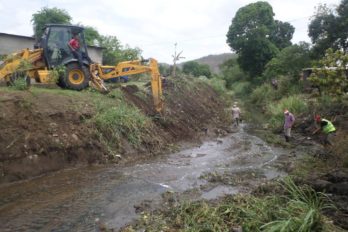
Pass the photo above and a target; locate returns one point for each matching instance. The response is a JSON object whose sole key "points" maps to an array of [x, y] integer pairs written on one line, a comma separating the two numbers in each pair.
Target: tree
{"points": [[232, 73], [114, 52], [332, 75], [92, 36], [282, 34], [48, 15], [290, 61], [328, 29], [257, 37], [196, 69]]}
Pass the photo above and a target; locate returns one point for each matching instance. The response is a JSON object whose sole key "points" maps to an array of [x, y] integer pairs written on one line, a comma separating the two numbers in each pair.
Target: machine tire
{"points": [[75, 78]]}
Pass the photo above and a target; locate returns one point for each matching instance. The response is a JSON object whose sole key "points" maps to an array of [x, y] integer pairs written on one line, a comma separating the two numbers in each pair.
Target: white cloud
{"points": [[198, 26]]}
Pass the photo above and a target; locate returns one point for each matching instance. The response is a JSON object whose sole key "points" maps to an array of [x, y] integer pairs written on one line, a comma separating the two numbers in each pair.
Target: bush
{"points": [[122, 121], [56, 73], [19, 81], [242, 88], [287, 87], [219, 85], [295, 104], [262, 95], [332, 74]]}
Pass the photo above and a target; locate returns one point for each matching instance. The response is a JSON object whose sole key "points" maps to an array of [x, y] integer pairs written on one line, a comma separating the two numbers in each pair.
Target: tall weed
{"points": [[294, 104], [302, 212], [294, 208], [122, 122]]}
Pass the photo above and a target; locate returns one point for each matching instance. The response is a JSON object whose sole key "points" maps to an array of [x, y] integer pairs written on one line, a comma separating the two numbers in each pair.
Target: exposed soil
{"points": [[47, 131], [43, 133]]}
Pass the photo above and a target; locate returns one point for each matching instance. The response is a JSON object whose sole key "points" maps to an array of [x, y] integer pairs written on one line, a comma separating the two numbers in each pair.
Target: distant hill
{"points": [[213, 61]]}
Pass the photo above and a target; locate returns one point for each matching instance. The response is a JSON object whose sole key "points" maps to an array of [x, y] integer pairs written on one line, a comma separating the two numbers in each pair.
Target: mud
{"points": [[83, 199], [44, 133]]}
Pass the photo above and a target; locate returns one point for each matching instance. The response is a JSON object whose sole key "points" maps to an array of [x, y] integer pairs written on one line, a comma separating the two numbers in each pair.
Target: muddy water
{"points": [[74, 200]]}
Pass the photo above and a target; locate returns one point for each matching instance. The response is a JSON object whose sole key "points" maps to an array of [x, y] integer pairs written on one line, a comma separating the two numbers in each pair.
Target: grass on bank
{"points": [[116, 120], [294, 208], [294, 104]]}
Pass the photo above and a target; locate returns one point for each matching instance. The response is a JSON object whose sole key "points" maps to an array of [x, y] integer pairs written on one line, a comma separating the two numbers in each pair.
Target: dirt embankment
{"points": [[41, 133], [44, 131]]}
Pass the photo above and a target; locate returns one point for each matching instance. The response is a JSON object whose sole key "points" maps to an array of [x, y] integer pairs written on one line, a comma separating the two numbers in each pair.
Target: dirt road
{"points": [[73, 200]]}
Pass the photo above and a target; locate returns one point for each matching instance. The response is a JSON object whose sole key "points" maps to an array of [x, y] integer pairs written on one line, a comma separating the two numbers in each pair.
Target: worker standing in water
{"points": [[236, 114], [289, 121]]}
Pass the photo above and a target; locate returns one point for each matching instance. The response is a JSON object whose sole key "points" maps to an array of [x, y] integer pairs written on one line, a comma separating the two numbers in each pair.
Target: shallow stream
{"points": [[73, 200]]}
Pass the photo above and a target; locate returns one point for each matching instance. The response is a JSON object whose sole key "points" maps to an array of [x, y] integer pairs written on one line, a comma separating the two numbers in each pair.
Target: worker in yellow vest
{"points": [[326, 127]]}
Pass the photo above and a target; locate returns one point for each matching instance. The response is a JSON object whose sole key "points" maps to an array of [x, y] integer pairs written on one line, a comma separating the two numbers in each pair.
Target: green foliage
{"points": [[164, 69], [114, 52], [55, 73], [281, 34], [257, 37], [19, 79], [2, 57], [231, 72], [262, 95], [287, 87], [328, 29], [122, 122], [298, 209], [92, 36], [302, 211], [19, 83], [241, 88], [331, 76], [290, 61], [295, 104], [196, 69], [48, 15], [218, 84]]}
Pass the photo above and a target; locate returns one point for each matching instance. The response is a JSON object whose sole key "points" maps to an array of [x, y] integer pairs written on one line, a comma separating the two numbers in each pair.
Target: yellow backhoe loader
{"points": [[53, 51]]}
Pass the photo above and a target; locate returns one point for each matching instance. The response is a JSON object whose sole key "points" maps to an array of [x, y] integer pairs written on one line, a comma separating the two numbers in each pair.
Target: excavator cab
{"points": [[57, 52], [55, 41]]}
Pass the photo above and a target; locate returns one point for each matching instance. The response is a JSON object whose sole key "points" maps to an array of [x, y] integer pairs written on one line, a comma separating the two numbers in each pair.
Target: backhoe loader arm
{"points": [[100, 72]]}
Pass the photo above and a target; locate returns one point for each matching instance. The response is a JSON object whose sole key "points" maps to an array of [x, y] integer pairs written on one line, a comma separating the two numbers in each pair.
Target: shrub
{"points": [[122, 121], [287, 87], [56, 73], [262, 94], [331, 77], [219, 85], [19, 81], [241, 88]]}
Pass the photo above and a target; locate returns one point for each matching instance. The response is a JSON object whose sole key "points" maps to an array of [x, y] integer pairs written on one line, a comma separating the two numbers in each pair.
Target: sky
{"points": [[198, 27]]}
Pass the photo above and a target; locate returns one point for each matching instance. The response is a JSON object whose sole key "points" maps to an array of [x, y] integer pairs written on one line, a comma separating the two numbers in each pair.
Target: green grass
{"points": [[302, 211], [295, 104], [122, 121], [294, 208], [219, 85], [19, 84]]}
